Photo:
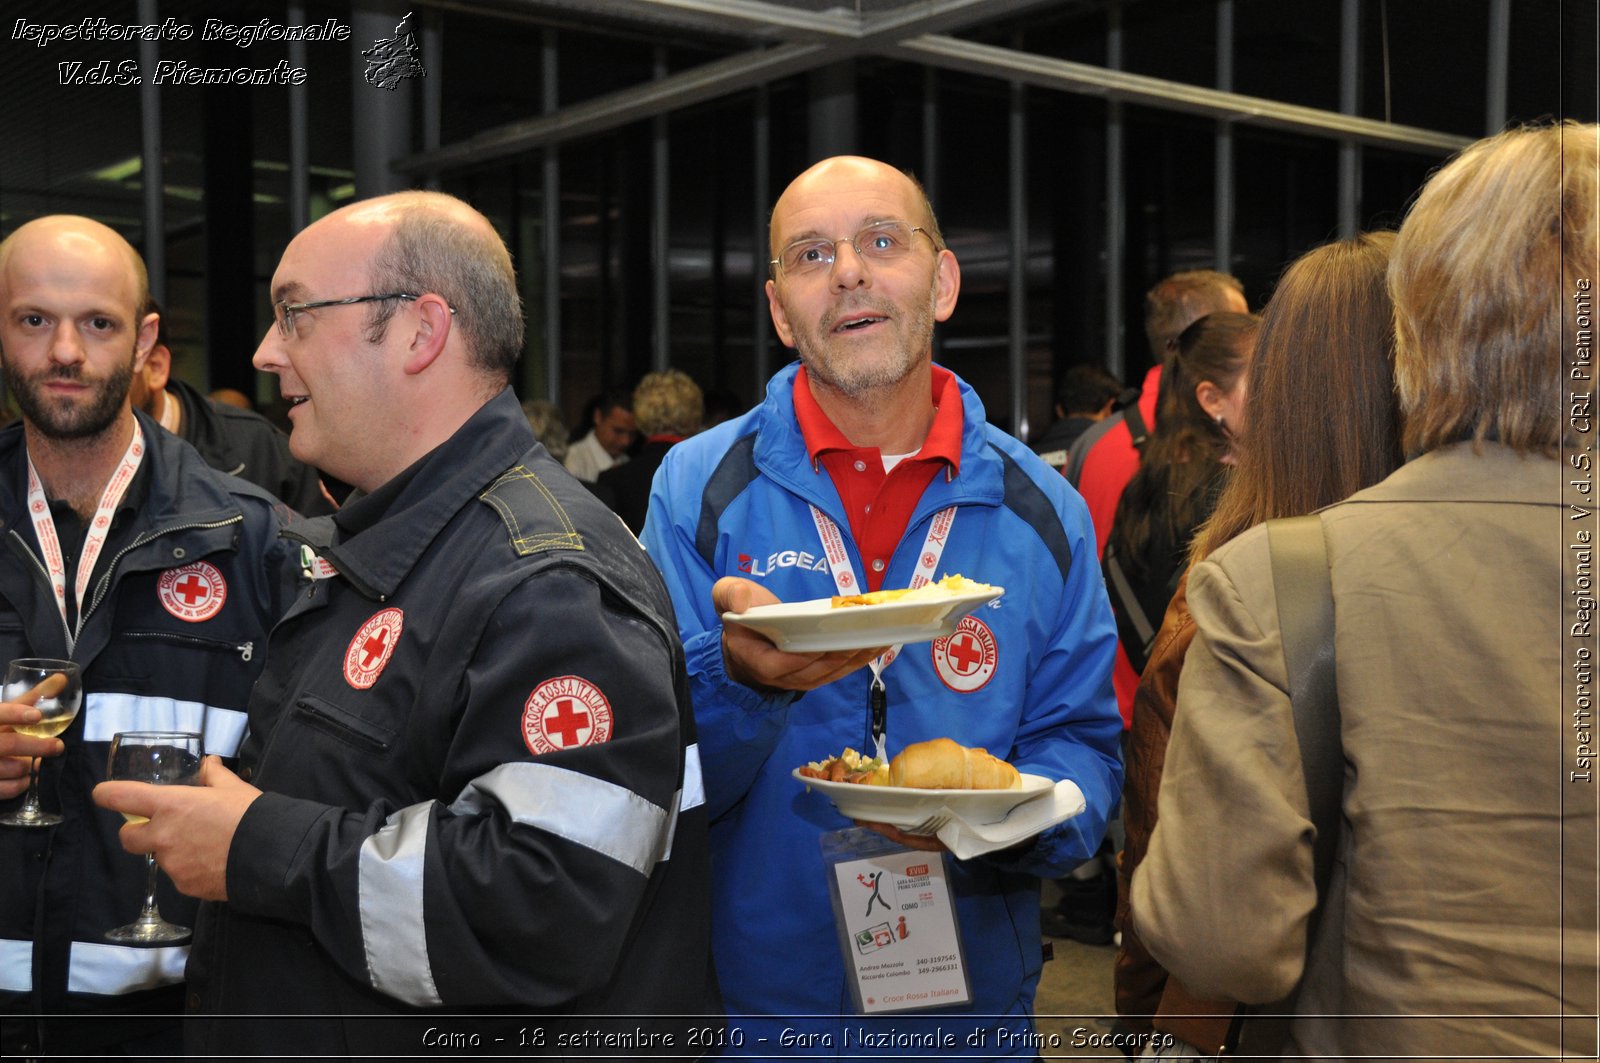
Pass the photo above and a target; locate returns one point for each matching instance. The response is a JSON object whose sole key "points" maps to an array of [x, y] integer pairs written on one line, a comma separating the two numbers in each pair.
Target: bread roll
{"points": [[943, 764]]}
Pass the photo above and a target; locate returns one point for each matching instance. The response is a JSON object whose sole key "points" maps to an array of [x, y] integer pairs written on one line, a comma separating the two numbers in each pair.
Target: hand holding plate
{"points": [[751, 659]]}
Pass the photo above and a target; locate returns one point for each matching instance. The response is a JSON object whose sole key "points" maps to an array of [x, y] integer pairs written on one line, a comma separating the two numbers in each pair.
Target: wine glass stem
{"points": [[149, 914], [30, 805]]}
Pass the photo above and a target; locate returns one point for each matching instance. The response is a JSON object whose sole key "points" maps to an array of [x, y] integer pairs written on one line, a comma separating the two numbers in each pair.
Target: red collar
{"points": [[944, 435]]}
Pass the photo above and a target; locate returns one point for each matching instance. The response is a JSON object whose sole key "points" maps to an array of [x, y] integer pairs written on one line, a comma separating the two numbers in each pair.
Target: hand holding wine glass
{"points": [[164, 758], [54, 689]]}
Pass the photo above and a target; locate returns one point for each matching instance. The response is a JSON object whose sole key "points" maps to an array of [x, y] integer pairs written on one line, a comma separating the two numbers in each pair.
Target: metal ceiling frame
{"points": [[915, 33]]}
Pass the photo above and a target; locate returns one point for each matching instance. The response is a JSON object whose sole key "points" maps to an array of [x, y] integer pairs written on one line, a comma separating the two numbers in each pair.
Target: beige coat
{"points": [[1463, 836]]}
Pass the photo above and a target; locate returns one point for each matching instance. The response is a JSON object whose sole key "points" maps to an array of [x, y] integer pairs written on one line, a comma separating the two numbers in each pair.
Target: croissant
{"points": [[942, 764]]}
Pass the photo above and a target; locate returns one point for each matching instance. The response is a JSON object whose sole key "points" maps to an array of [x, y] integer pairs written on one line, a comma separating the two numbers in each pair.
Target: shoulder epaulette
{"points": [[535, 518]]}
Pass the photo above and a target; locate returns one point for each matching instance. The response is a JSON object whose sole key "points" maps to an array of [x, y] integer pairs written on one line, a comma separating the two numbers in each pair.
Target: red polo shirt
{"points": [[880, 504]]}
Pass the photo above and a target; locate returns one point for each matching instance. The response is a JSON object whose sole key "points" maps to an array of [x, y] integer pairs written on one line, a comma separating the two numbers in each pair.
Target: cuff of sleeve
{"points": [[264, 848], [703, 654]]}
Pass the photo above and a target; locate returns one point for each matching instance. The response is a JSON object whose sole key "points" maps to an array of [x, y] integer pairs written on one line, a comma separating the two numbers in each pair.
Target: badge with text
{"points": [[966, 660], [565, 713], [897, 923], [193, 593], [372, 647]]}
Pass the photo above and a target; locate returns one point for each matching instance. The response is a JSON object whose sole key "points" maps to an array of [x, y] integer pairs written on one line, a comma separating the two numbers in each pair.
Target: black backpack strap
{"points": [[1126, 599], [1137, 429]]}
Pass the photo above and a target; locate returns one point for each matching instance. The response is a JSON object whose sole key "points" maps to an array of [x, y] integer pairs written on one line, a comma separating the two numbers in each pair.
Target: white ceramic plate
{"points": [[907, 806], [817, 627]]}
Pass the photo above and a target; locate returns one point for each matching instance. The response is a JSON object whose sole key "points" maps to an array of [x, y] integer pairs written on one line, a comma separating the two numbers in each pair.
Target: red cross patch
{"points": [[372, 647], [193, 593], [966, 660], [564, 713]]}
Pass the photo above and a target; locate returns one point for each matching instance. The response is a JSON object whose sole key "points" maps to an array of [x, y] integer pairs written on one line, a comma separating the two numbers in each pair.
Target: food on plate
{"points": [[849, 766], [938, 764], [942, 764], [948, 587]]}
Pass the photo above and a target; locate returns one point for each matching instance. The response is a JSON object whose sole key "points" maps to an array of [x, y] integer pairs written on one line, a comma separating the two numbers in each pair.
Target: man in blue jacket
{"points": [[867, 445]]}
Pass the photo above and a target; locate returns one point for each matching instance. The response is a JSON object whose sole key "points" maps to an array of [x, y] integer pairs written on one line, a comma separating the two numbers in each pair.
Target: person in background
{"points": [[668, 407], [1087, 396], [1328, 329], [867, 466], [239, 442], [1460, 918], [470, 780], [232, 397], [1183, 467], [1105, 457], [549, 427], [161, 578], [611, 433]]}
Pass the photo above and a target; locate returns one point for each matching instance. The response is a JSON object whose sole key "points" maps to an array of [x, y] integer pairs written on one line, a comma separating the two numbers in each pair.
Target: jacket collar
{"points": [[781, 455], [201, 426], [1456, 473], [396, 528]]}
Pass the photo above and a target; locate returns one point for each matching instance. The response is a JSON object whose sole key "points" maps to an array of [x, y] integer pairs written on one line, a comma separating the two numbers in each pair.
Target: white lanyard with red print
{"points": [[44, 527], [844, 578]]}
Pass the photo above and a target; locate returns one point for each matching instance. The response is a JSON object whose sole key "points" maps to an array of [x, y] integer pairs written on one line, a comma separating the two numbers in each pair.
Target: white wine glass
{"points": [[165, 758], [55, 688]]}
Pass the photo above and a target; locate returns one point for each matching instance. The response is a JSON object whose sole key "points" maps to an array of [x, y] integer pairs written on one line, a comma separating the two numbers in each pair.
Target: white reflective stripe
{"points": [[389, 897], [694, 784], [610, 819], [16, 966], [106, 714], [112, 969]]}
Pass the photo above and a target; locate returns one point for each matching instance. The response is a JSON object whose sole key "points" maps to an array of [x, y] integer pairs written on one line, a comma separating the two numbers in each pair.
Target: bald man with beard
{"points": [[160, 577]]}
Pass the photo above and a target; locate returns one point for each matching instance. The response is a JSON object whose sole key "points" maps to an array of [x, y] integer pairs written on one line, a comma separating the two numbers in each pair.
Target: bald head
{"points": [[432, 242], [70, 240], [842, 179]]}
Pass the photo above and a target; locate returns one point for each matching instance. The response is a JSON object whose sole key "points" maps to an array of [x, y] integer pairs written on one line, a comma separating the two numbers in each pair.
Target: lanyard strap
{"points": [[844, 578], [44, 528]]}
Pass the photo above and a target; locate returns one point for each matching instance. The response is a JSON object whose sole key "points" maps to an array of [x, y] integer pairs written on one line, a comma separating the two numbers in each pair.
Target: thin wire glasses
{"points": [[882, 241], [284, 311]]}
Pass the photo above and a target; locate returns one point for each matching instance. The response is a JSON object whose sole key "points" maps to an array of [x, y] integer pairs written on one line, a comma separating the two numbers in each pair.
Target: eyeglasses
{"points": [[284, 311], [883, 241]]}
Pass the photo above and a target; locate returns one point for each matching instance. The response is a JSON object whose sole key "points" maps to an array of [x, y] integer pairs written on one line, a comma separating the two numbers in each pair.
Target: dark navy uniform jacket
{"points": [[174, 632], [482, 792]]}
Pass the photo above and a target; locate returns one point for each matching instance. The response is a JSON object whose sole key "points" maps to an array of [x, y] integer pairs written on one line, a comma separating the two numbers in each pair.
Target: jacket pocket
{"points": [[245, 650], [323, 715]]}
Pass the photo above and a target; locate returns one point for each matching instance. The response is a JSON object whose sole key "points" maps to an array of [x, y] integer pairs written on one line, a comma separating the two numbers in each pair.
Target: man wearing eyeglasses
{"points": [[470, 782], [870, 467]]}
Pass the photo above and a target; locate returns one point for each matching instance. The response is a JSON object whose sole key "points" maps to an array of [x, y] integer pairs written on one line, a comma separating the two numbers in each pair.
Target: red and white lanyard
{"points": [[44, 527], [844, 578]]}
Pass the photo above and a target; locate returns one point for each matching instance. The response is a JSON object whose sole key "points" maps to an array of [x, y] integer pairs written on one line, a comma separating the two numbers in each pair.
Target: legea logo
{"points": [[800, 559]]}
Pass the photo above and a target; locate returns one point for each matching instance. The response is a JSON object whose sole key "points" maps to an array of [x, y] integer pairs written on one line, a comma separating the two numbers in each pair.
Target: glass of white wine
{"points": [[55, 688], [165, 758]]}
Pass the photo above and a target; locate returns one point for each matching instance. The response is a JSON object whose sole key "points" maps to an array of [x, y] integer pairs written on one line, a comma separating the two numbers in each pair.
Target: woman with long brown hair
{"points": [[1321, 422]]}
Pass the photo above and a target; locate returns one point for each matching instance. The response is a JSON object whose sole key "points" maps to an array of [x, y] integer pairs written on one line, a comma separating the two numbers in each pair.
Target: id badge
{"points": [[896, 923]]}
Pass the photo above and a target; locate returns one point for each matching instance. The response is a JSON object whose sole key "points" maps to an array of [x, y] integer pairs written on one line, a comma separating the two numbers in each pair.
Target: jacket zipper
{"points": [[44, 575], [245, 650], [105, 580]]}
